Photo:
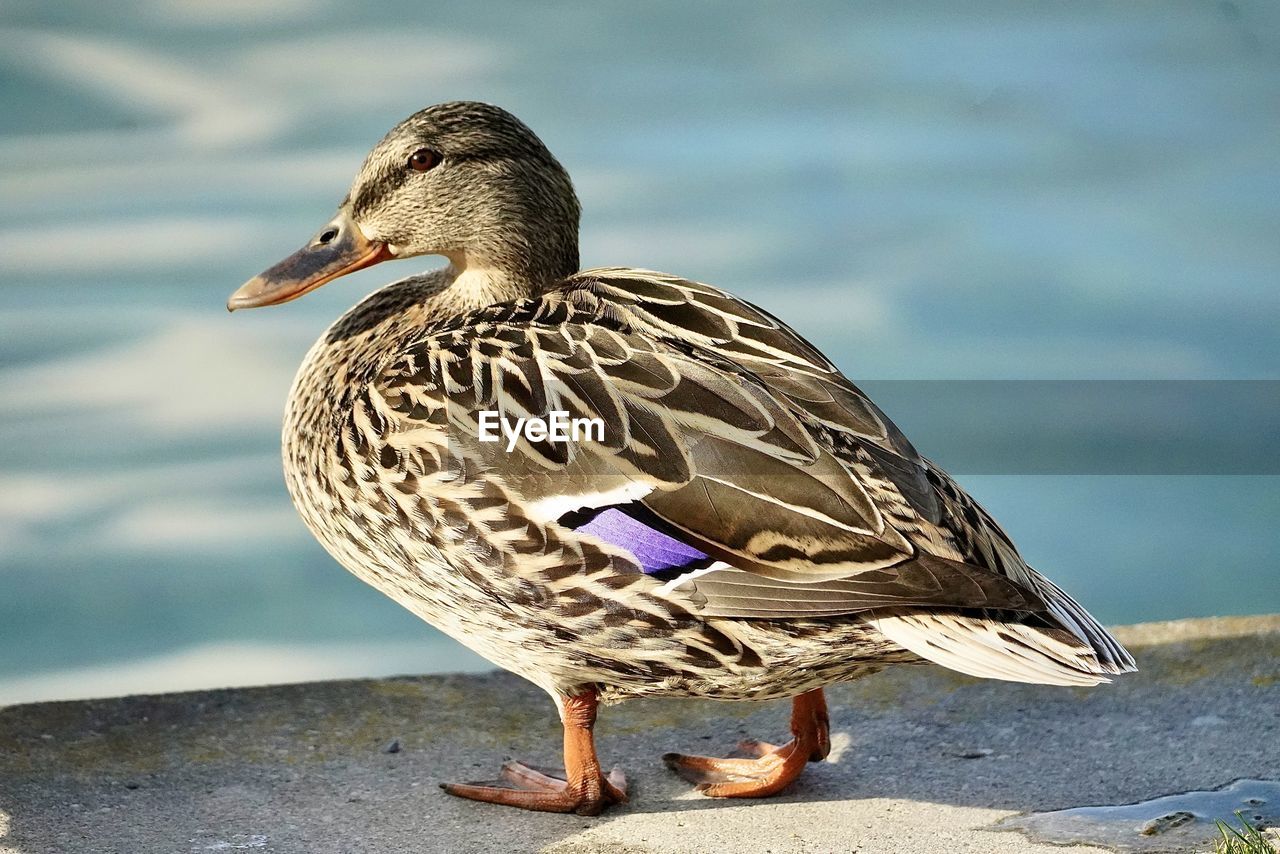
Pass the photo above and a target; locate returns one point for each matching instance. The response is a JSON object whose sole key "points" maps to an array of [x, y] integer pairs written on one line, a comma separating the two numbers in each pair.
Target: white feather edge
{"points": [[548, 509], [975, 646], [670, 587]]}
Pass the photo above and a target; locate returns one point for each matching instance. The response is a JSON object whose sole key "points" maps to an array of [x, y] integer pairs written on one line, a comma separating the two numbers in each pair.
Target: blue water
{"points": [[1072, 191]]}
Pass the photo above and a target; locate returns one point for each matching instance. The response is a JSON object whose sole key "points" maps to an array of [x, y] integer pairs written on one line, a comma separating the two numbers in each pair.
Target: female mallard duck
{"points": [[748, 525]]}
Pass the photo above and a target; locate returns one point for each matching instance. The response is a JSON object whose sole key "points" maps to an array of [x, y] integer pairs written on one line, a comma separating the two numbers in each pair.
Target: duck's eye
{"points": [[424, 159]]}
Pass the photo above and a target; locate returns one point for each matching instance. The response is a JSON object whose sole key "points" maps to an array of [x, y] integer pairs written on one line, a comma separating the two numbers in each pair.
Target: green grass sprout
{"points": [[1248, 840]]}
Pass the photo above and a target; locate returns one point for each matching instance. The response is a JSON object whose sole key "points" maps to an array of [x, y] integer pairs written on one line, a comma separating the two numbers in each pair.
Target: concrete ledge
{"points": [[925, 760]]}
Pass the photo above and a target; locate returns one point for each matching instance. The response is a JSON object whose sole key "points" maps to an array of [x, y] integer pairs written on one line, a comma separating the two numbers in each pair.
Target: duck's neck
{"points": [[478, 282], [516, 258]]}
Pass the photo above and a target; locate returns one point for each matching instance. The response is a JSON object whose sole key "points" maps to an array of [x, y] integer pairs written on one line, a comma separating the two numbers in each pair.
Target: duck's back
{"points": [[747, 515]]}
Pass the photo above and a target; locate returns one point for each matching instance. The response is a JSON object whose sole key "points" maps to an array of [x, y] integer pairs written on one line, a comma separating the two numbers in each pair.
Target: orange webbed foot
{"points": [[546, 789], [758, 769], [581, 787]]}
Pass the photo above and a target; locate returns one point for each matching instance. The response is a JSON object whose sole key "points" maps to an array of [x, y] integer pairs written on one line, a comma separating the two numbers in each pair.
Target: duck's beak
{"points": [[338, 249]]}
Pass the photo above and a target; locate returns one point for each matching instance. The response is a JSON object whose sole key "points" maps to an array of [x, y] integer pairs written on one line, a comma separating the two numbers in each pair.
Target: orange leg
{"points": [[769, 768], [580, 788]]}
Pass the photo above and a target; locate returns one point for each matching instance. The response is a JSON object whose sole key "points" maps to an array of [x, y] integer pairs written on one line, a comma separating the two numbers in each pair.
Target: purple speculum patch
{"points": [[655, 551]]}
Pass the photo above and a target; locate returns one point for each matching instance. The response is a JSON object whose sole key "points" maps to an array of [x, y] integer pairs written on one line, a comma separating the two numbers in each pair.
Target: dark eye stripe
{"points": [[424, 159]]}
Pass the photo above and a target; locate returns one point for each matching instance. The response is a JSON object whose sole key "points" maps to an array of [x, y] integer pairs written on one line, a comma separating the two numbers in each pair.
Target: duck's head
{"points": [[464, 180]]}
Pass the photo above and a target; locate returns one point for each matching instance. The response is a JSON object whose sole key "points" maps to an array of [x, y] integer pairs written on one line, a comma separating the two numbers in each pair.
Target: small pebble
{"points": [[979, 753], [1166, 823], [393, 747]]}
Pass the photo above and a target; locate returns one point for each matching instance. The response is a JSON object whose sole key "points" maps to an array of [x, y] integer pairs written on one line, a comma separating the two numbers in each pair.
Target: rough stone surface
{"points": [[926, 760]]}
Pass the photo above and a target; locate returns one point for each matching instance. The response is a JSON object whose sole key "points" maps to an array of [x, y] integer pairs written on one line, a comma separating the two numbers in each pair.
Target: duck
{"points": [[735, 520]]}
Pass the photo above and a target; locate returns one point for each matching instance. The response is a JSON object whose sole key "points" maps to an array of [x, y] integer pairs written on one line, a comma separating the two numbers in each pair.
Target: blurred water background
{"points": [[1083, 191]]}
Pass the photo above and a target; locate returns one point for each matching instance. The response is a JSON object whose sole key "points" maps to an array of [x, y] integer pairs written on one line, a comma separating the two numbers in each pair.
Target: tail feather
{"points": [[1112, 657], [1008, 646]]}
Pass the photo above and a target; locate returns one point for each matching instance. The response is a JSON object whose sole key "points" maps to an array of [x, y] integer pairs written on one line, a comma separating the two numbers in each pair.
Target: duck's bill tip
{"points": [[339, 249]]}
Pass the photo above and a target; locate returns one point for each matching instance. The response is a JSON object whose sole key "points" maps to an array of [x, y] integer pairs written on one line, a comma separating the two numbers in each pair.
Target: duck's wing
{"points": [[736, 463]]}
